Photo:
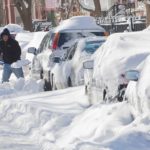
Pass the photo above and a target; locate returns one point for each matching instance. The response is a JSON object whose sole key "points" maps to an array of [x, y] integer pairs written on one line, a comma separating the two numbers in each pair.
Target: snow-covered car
{"points": [[120, 53], [39, 55], [69, 71], [64, 35], [138, 89], [14, 29]]}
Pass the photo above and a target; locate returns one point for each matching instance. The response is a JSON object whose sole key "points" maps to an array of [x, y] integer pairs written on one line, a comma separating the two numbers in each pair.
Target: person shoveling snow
{"points": [[10, 52]]}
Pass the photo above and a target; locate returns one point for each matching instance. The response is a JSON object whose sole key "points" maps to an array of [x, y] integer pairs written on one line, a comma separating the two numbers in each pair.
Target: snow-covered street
{"points": [[74, 74], [63, 120]]}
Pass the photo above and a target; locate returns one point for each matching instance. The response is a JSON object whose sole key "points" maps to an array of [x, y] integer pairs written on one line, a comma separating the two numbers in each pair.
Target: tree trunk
{"points": [[148, 14], [25, 12], [96, 12], [97, 8], [69, 10]]}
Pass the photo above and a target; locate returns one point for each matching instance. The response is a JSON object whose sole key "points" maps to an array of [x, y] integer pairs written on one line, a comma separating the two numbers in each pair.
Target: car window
{"points": [[66, 37], [92, 46], [72, 51]]}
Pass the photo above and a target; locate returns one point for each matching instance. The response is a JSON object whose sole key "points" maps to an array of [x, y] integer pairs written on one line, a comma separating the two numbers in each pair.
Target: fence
{"points": [[120, 23]]}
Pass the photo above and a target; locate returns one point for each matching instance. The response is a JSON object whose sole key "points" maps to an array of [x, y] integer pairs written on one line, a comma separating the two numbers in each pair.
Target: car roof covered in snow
{"points": [[79, 23]]}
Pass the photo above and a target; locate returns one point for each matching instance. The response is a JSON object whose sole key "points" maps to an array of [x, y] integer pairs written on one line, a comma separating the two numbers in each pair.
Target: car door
{"points": [[37, 65], [68, 68], [45, 53]]}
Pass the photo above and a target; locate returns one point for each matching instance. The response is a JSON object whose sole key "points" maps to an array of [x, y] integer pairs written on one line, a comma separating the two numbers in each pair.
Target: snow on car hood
{"points": [[121, 52]]}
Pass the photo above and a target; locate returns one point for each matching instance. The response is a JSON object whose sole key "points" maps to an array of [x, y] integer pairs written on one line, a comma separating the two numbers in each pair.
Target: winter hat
{"points": [[5, 32]]}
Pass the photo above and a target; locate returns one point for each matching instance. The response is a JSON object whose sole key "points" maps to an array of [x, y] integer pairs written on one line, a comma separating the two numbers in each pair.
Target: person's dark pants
{"points": [[8, 70]]}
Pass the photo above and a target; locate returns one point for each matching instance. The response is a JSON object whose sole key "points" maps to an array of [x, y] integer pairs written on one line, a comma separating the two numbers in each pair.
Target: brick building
{"points": [[11, 15]]}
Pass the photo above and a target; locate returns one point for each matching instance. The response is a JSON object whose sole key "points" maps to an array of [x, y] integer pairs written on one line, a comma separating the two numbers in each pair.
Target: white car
{"points": [[138, 89], [120, 53], [68, 71], [75, 28]]}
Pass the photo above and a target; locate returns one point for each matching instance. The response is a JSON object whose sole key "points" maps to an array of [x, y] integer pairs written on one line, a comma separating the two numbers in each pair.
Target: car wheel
{"points": [[53, 83], [86, 89], [41, 74], [69, 82], [47, 83]]}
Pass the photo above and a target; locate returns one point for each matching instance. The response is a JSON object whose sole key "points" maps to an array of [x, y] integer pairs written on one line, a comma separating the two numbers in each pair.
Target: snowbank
{"points": [[20, 87], [59, 120]]}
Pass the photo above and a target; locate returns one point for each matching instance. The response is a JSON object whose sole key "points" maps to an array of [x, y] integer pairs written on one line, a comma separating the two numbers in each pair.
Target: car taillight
{"points": [[106, 34], [55, 41]]}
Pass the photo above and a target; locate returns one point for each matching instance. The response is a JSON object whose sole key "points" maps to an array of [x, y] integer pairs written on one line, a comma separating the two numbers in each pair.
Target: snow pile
{"points": [[20, 87], [121, 52], [32, 122], [59, 120]]}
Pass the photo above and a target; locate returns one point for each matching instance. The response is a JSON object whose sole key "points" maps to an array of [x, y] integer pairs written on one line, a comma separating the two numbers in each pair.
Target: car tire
{"points": [[53, 83], [47, 82], [69, 82], [86, 90], [47, 85]]}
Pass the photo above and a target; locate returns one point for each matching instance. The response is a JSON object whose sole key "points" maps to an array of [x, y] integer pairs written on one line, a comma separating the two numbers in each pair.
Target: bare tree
{"points": [[97, 11], [147, 3], [24, 8]]}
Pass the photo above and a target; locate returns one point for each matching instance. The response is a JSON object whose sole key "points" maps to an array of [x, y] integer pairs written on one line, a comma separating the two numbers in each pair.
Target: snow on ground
{"points": [[61, 120]]}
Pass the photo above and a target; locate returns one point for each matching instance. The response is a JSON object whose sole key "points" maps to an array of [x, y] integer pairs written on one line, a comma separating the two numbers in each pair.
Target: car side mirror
{"points": [[88, 64], [132, 75], [56, 60], [32, 50]]}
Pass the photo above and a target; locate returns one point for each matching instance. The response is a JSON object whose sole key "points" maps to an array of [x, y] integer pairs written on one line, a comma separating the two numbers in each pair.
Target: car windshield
{"points": [[92, 46]]}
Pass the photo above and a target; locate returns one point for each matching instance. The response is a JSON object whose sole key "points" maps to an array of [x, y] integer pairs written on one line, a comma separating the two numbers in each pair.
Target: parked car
{"points": [[138, 89], [120, 53], [38, 54], [74, 28], [57, 43], [68, 71]]}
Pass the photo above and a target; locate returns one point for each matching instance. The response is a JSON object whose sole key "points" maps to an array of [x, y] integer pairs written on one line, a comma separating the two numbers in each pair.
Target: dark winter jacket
{"points": [[10, 50]]}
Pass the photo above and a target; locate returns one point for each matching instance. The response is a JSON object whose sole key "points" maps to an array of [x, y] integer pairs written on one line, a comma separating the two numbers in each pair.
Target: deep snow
{"points": [[61, 120], [31, 119]]}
